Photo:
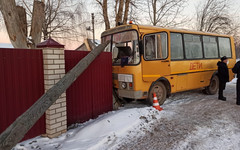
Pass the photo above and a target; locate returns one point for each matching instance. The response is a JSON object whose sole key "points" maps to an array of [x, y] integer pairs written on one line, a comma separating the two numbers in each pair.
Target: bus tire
{"points": [[160, 89], [213, 87]]}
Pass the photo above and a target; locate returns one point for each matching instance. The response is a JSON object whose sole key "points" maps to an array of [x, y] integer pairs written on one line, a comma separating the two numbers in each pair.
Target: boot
{"points": [[222, 98]]}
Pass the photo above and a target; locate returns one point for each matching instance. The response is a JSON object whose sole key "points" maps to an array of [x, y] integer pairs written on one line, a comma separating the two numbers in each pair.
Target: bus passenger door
{"points": [[156, 60]]}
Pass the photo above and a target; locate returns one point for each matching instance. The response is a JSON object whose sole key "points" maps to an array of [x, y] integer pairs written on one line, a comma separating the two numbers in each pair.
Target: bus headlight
{"points": [[125, 77], [124, 85]]}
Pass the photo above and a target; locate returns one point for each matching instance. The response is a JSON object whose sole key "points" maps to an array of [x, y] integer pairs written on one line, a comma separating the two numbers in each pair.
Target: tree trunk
{"points": [[23, 19], [154, 5], [38, 17], [125, 18], [16, 131], [15, 27], [105, 14], [119, 15]]}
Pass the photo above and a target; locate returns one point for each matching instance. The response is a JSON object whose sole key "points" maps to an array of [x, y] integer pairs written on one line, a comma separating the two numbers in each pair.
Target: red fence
{"points": [[91, 94], [21, 84]]}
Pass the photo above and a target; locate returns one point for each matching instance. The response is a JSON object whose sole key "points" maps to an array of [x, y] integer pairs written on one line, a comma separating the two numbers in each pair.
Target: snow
{"points": [[100, 133], [234, 81], [213, 138], [190, 120], [113, 126]]}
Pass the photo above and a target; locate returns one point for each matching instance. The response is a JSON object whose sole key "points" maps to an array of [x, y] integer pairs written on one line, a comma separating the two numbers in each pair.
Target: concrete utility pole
{"points": [[93, 30], [16, 131]]}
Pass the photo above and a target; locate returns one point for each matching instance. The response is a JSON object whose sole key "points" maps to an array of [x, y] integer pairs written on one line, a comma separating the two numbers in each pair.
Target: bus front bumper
{"points": [[132, 94]]}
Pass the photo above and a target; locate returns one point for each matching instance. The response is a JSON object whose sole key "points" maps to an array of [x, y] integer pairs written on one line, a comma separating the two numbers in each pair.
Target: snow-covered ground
{"points": [[101, 133], [190, 120]]}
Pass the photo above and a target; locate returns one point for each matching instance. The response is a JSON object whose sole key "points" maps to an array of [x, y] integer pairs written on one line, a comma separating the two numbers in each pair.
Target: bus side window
{"points": [[210, 46], [193, 46], [224, 47], [162, 45], [156, 46], [150, 47], [176, 46]]}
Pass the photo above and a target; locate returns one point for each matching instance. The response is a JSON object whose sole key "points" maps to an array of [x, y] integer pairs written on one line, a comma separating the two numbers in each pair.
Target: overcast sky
{"points": [[190, 11]]}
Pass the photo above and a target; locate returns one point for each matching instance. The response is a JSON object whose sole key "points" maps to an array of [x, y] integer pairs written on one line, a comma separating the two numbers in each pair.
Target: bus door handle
{"points": [[165, 60]]}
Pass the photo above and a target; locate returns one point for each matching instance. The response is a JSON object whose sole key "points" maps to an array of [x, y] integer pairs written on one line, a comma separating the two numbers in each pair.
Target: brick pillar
{"points": [[54, 70]]}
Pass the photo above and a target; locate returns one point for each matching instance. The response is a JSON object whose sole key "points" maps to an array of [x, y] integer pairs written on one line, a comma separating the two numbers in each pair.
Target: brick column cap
{"points": [[50, 43]]}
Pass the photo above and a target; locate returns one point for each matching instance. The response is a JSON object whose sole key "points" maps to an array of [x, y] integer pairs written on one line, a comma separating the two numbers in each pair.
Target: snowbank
{"points": [[234, 81], [102, 133]]}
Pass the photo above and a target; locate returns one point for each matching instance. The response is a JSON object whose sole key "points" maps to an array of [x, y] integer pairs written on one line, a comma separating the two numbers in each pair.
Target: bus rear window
{"points": [[224, 47]]}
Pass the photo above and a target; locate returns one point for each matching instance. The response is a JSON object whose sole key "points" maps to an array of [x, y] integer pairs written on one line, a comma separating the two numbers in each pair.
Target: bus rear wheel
{"points": [[213, 87], [161, 93]]}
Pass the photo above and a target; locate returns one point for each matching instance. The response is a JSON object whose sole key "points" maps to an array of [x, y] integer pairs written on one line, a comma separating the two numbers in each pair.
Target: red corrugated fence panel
{"points": [[91, 94], [21, 84]]}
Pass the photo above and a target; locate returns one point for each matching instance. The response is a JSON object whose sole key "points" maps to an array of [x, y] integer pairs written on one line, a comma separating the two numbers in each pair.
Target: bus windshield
{"points": [[125, 48]]}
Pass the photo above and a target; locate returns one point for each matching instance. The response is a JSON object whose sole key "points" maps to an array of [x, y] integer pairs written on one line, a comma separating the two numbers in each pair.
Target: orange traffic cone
{"points": [[155, 102]]}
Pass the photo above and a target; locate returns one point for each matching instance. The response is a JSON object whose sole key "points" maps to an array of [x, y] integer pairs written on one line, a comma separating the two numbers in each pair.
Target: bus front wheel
{"points": [[161, 92], [213, 87]]}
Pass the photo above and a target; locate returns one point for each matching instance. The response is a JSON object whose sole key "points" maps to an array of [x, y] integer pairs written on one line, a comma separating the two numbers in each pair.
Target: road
{"points": [[193, 121]]}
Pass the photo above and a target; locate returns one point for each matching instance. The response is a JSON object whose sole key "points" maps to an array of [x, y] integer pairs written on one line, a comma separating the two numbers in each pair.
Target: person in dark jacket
{"points": [[236, 70], [223, 75]]}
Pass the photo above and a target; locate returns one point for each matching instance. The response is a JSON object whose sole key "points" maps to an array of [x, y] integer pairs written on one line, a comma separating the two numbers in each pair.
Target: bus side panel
{"points": [[193, 74], [197, 80], [182, 82]]}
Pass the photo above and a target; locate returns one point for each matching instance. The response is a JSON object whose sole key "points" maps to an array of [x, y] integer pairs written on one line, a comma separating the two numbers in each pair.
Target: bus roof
{"points": [[151, 29]]}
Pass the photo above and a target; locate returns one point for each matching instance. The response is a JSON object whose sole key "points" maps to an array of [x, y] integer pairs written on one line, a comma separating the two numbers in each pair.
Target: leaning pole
{"points": [[17, 130]]}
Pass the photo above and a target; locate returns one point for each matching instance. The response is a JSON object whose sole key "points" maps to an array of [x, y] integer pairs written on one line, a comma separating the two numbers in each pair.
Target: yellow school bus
{"points": [[149, 59]]}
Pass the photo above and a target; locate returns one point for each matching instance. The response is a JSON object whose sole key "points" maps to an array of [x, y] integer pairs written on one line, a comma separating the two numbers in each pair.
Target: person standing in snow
{"points": [[223, 75], [236, 70]]}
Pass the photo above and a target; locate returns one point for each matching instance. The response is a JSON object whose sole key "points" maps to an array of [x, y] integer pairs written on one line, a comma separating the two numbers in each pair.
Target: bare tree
{"points": [[15, 22], [104, 6], [62, 19], [165, 12], [213, 16], [121, 10], [36, 23], [126, 12], [58, 18]]}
